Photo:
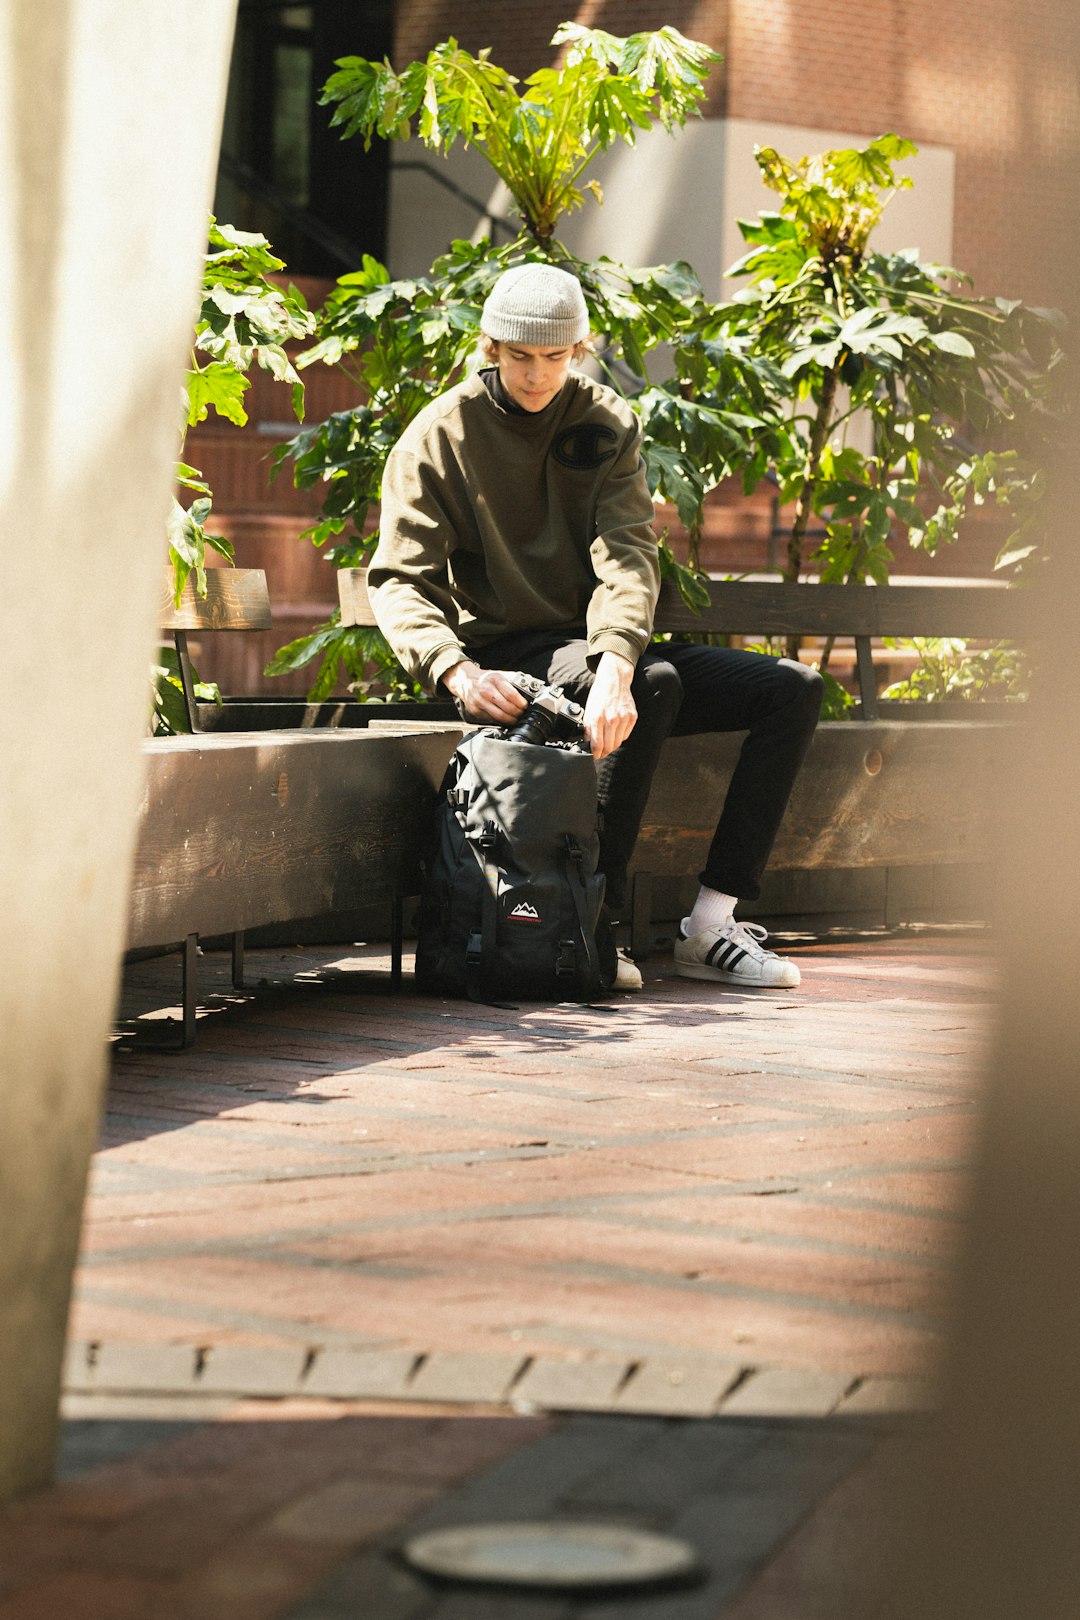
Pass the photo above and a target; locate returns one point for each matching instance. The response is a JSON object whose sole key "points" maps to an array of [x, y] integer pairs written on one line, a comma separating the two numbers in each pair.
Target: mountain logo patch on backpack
{"points": [[524, 912]]}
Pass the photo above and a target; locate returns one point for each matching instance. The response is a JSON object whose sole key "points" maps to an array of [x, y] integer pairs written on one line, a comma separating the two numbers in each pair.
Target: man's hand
{"points": [[610, 713], [485, 694]]}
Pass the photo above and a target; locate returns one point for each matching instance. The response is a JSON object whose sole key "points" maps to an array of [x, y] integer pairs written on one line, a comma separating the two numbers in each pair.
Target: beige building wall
{"points": [[669, 197]]}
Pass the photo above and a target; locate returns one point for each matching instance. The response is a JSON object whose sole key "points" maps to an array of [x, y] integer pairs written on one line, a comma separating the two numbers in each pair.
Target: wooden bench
{"points": [[245, 829], [879, 790]]}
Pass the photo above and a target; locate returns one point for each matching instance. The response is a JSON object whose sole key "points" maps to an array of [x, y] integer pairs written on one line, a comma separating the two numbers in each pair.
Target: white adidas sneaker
{"points": [[733, 954]]}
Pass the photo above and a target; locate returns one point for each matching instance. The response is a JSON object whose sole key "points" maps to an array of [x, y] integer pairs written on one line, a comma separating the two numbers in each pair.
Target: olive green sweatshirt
{"points": [[494, 521]]}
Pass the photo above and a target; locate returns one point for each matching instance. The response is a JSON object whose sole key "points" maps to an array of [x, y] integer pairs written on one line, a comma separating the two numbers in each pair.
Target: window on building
{"points": [[283, 170]]}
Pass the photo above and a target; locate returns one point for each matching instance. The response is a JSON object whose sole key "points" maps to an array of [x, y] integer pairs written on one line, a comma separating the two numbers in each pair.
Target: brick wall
{"points": [[519, 31], [974, 75], [987, 78]]}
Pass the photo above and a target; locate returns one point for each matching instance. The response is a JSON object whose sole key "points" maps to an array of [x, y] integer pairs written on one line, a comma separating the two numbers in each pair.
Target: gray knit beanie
{"points": [[536, 304]]}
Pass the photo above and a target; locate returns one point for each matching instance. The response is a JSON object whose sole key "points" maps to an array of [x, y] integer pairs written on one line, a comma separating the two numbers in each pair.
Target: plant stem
{"points": [[859, 552], [819, 434], [818, 437], [693, 558], [830, 641]]}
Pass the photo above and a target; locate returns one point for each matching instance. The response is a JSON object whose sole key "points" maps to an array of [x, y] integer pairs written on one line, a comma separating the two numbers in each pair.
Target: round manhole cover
{"points": [[551, 1554]]}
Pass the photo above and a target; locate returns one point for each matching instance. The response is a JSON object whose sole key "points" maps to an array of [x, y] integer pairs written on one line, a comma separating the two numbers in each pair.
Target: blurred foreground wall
{"points": [[110, 117], [994, 1511]]}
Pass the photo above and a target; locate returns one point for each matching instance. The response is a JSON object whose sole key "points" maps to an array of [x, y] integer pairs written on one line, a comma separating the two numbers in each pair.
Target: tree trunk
{"points": [[693, 555]]}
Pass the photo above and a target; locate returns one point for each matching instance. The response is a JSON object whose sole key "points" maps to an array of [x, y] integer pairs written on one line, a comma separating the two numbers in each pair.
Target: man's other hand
{"points": [[610, 713], [484, 694]]}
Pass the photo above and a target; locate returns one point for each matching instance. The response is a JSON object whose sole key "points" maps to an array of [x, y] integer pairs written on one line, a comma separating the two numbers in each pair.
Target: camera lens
{"points": [[536, 725]]}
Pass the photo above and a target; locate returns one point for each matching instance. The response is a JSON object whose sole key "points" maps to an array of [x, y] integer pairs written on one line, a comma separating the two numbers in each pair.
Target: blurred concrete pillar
{"points": [[994, 1517], [110, 121]]}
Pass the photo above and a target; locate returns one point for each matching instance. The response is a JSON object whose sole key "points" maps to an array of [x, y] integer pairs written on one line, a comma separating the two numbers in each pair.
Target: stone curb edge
{"points": [[692, 1385]]}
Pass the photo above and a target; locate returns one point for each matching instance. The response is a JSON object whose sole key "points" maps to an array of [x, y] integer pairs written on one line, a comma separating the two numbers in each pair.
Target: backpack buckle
{"points": [[488, 836], [566, 961], [474, 950]]}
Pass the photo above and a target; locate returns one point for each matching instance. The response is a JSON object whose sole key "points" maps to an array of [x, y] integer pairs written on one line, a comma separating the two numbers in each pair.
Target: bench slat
{"points": [[744, 607], [236, 599]]}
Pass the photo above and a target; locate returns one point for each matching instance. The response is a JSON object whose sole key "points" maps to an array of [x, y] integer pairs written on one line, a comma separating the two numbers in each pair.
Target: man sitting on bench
{"points": [[516, 535]]}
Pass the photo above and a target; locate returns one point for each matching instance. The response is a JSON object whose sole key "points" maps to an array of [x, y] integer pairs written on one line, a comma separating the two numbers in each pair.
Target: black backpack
{"points": [[511, 897]]}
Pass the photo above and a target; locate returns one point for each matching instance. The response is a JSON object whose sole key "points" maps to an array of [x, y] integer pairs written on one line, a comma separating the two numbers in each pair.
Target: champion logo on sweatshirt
{"points": [[523, 912], [579, 447]]}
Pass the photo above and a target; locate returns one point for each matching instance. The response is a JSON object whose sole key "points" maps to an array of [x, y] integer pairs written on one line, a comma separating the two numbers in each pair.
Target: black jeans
{"points": [[681, 690]]}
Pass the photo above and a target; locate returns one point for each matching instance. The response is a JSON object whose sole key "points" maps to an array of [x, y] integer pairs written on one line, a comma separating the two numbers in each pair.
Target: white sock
{"points": [[711, 910]]}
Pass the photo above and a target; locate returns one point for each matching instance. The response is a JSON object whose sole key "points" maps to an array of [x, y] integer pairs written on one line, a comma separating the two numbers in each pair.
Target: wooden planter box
{"points": [[245, 829]]}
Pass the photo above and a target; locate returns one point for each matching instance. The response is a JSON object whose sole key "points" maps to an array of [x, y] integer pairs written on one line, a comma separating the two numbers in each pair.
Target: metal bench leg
{"points": [[138, 1036], [867, 677], [397, 931], [190, 994], [187, 679], [238, 959]]}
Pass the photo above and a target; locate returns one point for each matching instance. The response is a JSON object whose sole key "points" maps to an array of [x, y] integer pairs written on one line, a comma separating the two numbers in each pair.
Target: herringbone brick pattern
{"points": [[773, 1179], [360, 1265]]}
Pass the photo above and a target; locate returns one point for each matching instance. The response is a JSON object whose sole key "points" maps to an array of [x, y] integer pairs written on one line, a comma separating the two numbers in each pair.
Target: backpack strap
{"points": [[573, 860], [481, 946]]}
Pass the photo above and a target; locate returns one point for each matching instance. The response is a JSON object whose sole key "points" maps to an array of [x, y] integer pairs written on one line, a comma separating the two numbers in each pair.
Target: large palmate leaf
{"points": [[540, 137]]}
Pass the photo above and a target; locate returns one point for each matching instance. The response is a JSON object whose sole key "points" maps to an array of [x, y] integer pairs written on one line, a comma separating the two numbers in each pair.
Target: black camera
{"points": [[550, 718]]}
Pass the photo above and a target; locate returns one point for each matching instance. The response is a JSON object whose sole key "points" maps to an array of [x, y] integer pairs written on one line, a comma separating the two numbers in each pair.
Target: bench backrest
{"points": [[236, 599], [982, 610]]}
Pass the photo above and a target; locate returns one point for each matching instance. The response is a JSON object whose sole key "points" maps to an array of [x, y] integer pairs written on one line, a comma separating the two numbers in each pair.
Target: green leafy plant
{"points": [[949, 668], [691, 584], [948, 387], [541, 139], [827, 333], [717, 415], [185, 529], [169, 716], [403, 342], [363, 654], [244, 320]]}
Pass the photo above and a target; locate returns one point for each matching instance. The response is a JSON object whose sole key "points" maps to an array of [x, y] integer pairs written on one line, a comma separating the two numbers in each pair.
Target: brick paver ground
{"points": [[672, 1261]]}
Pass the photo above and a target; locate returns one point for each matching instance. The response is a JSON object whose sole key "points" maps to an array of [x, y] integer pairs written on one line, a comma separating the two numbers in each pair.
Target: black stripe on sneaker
{"points": [[731, 960], [721, 947]]}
